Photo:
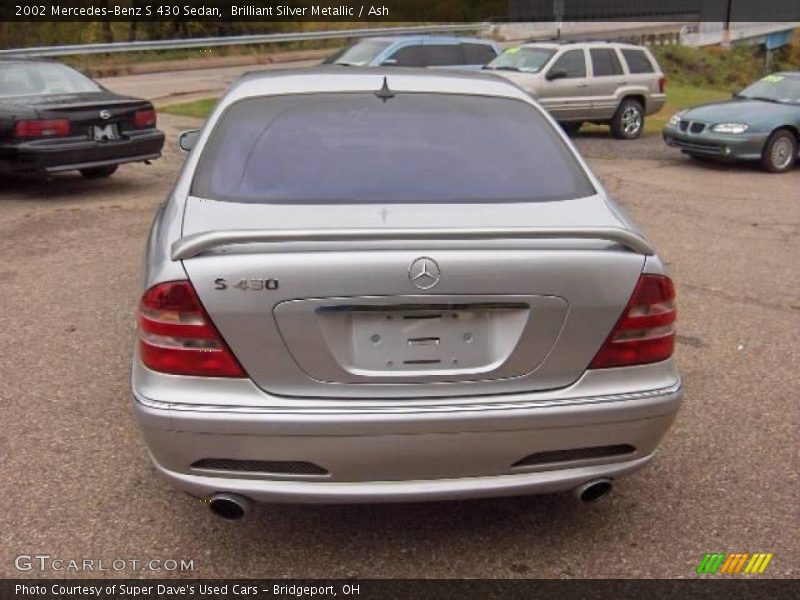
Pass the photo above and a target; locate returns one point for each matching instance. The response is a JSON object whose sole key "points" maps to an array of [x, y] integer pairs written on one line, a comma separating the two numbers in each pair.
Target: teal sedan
{"points": [[761, 123]]}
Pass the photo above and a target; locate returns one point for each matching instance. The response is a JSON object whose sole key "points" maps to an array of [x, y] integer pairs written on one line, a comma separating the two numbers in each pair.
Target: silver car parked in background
{"points": [[396, 285], [598, 82]]}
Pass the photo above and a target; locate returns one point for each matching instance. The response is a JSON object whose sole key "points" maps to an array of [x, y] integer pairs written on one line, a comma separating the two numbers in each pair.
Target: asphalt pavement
{"points": [[77, 483]]}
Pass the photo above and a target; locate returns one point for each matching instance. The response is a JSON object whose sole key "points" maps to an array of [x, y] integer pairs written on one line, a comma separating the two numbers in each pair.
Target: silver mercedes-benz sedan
{"points": [[388, 285]]}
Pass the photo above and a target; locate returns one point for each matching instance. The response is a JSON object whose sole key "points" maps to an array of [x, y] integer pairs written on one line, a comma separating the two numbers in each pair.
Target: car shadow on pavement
{"points": [[402, 539], [65, 187], [443, 519]]}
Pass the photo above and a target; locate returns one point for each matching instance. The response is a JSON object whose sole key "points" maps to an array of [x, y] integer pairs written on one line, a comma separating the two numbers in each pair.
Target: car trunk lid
{"points": [[389, 317], [102, 115]]}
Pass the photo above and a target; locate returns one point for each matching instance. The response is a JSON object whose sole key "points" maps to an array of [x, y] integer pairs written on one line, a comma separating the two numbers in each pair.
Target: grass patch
{"points": [[680, 96], [197, 108]]}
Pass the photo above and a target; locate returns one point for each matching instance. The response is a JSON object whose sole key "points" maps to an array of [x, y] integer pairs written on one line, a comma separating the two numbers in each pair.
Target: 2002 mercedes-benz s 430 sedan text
{"points": [[396, 285]]}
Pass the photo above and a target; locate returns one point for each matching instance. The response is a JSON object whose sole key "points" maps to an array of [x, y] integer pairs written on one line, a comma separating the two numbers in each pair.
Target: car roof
{"points": [[333, 79], [566, 43], [429, 37]]}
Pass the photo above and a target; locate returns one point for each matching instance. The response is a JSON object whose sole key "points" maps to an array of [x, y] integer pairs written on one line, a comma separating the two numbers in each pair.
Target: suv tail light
{"points": [[176, 335], [646, 331], [41, 128], [662, 84], [144, 118]]}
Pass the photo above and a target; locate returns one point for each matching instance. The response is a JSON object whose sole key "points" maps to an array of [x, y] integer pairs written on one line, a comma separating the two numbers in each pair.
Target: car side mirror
{"points": [[555, 74], [389, 62], [187, 139]]}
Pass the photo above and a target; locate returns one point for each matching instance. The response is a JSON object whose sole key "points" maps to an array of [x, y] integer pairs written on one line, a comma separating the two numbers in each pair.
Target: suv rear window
{"points": [[605, 62], [637, 61], [412, 148], [441, 55], [478, 54]]}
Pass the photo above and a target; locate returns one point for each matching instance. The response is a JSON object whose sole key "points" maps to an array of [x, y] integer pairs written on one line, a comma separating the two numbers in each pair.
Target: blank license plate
{"points": [[413, 340]]}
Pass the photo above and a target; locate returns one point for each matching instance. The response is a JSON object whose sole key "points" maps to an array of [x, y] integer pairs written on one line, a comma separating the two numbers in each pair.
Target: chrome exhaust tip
{"points": [[593, 490], [231, 507]]}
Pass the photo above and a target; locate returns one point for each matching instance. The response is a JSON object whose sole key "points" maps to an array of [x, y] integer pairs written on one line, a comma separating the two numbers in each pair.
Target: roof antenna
{"points": [[385, 93]]}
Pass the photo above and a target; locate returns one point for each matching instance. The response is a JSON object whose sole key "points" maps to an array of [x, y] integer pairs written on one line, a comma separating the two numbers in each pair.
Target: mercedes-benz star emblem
{"points": [[424, 273], [105, 114]]}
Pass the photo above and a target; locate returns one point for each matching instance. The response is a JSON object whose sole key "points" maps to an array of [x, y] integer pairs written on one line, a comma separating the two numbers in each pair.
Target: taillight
{"points": [[144, 118], [646, 331], [176, 335], [41, 128], [662, 84]]}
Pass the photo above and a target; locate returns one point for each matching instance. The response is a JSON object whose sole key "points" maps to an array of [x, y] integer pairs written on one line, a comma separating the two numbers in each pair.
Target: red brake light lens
{"points": [[144, 118], [662, 84], [176, 335], [646, 331], [39, 128]]}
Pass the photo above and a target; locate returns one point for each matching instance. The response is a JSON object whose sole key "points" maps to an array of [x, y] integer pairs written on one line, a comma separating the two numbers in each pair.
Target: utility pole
{"points": [[558, 16], [726, 34]]}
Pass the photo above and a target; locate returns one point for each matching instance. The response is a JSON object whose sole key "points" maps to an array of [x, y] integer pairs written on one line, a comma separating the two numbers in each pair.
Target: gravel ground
{"points": [[77, 482], [600, 144]]}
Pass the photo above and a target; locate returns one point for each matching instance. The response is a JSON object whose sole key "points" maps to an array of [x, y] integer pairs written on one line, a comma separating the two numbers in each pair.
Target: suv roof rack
{"points": [[573, 41]]}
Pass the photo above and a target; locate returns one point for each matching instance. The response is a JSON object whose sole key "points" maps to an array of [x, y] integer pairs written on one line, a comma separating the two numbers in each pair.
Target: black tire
{"points": [[628, 122], [99, 172], [571, 127], [780, 152]]}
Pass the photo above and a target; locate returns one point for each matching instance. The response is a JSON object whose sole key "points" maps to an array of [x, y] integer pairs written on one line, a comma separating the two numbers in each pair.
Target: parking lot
{"points": [[77, 482]]}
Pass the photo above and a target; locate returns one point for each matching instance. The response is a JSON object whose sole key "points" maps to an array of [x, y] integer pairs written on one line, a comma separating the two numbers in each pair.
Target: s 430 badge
{"points": [[255, 285]]}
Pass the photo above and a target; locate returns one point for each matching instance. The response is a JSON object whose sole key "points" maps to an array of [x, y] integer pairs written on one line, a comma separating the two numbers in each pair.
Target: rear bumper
{"points": [[415, 455], [68, 154], [306, 492], [655, 102]]}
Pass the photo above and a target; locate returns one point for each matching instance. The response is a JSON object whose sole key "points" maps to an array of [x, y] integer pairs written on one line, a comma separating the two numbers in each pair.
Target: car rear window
{"points": [[637, 61], [39, 79], [411, 148]]}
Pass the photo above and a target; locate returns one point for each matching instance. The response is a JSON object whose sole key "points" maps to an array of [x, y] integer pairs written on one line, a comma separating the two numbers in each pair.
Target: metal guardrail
{"points": [[238, 40]]}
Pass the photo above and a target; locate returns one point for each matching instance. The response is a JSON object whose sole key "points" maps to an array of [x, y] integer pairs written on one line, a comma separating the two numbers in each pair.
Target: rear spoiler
{"points": [[197, 243]]}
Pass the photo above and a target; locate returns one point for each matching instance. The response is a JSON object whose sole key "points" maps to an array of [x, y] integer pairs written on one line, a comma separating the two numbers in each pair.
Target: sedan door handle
{"points": [[622, 83], [583, 85]]}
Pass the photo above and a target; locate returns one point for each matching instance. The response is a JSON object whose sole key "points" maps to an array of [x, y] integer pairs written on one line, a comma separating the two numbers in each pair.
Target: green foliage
{"points": [[197, 108], [680, 96], [727, 69], [788, 58]]}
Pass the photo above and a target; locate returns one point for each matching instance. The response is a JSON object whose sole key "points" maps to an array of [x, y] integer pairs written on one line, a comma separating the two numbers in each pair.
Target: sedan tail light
{"points": [[176, 335], [144, 118], [646, 331], [40, 128], [662, 84]]}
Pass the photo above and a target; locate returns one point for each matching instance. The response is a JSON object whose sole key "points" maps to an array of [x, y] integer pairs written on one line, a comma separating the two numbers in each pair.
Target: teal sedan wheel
{"points": [[780, 152]]}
